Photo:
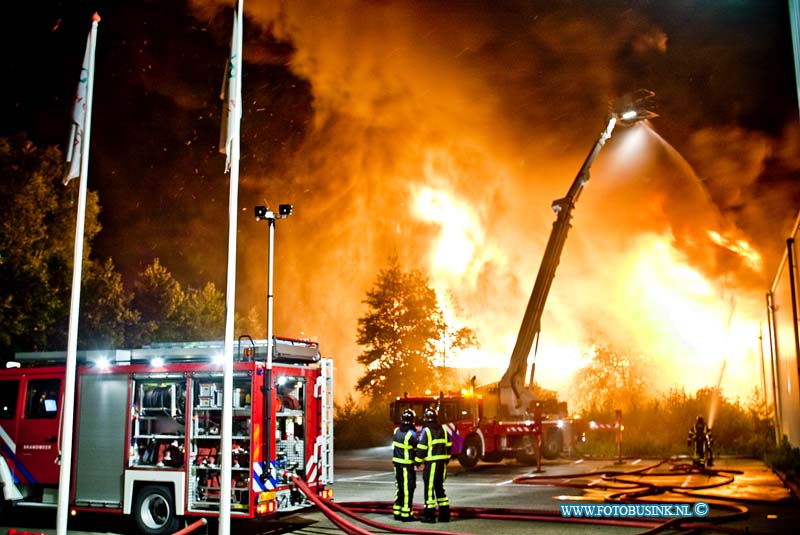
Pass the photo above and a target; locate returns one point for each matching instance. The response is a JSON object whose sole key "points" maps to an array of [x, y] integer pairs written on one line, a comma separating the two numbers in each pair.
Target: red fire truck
{"points": [[147, 430], [477, 436]]}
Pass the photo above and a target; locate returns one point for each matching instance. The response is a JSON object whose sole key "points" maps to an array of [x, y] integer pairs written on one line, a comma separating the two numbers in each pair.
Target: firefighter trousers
{"points": [[405, 481], [433, 478]]}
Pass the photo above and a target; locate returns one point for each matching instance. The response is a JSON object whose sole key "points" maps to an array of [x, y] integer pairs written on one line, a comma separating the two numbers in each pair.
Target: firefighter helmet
{"points": [[700, 420], [430, 415], [408, 417]]}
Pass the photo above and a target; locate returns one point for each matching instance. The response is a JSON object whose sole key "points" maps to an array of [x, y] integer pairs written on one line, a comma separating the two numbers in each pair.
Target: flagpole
{"points": [[68, 408], [230, 301]]}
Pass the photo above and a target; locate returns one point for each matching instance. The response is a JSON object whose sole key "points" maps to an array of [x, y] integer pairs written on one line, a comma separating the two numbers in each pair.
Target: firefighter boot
{"points": [[429, 515], [444, 513]]}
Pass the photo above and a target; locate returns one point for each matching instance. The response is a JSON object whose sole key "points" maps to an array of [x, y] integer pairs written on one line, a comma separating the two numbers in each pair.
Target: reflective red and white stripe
{"points": [[311, 470], [518, 429]]}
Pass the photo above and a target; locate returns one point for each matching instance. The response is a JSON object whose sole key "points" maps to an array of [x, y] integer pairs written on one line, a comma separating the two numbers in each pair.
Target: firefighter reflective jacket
{"points": [[434, 444], [698, 432], [405, 440]]}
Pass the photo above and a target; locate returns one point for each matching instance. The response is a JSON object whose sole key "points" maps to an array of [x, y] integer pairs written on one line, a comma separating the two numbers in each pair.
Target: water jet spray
{"points": [[712, 413]]}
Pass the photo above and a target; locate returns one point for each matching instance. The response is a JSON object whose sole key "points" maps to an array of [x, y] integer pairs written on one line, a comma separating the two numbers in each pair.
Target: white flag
{"points": [[231, 96], [74, 143]]}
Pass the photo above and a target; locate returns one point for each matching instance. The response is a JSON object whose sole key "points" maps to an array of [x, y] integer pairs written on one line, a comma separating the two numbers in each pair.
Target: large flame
{"points": [[657, 304]]}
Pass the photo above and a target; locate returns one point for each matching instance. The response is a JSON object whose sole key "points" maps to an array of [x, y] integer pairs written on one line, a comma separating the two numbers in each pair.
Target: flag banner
{"points": [[231, 97], [74, 146]]}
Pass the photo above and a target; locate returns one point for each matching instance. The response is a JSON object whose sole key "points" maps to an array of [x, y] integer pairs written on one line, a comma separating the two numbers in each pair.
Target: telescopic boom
{"points": [[515, 398]]}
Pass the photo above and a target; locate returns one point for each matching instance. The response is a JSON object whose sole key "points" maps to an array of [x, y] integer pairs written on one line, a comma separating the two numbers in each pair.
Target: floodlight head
{"points": [[635, 107], [261, 212], [285, 210]]}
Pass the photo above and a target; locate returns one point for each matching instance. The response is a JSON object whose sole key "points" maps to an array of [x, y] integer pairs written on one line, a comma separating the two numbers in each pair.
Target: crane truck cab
{"points": [[479, 435]]}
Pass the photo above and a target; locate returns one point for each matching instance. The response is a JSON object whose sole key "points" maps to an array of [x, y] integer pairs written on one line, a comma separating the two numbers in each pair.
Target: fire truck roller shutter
{"points": [[102, 417]]}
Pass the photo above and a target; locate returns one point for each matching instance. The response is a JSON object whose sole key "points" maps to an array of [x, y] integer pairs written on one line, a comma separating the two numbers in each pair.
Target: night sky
{"points": [[354, 110]]}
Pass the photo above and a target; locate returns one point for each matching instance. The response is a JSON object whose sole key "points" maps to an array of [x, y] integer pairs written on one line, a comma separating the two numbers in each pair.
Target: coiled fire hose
{"points": [[634, 490], [628, 490], [524, 515]]}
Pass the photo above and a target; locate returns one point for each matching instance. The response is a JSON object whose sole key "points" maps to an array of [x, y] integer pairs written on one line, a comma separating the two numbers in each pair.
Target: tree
{"points": [[37, 237], [36, 245], [159, 298], [106, 315], [203, 312], [251, 323], [171, 314], [402, 332], [612, 380]]}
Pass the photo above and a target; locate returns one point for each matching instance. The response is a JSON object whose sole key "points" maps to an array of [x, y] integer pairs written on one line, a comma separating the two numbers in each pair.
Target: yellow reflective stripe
{"points": [[405, 508], [430, 502], [432, 443], [407, 449]]}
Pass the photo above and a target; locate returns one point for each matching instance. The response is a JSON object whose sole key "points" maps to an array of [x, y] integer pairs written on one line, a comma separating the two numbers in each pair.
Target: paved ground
{"points": [[365, 475]]}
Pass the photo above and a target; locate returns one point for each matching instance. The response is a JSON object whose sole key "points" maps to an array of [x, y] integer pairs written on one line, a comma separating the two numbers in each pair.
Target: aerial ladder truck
{"points": [[504, 419]]}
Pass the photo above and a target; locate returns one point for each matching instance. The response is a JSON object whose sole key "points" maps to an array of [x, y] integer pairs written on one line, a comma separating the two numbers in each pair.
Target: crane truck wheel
{"points": [[527, 455], [154, 511], [471, 452], [552, 444]]}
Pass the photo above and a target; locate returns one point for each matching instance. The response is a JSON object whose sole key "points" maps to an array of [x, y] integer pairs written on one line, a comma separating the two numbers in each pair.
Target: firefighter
{"points": [[405, 478], [434, 450], [700, 441]]}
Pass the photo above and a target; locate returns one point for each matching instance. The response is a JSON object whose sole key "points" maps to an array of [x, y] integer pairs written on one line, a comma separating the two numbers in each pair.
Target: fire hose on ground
{"points": [[635, 490], [334, 511], [331, 510]]}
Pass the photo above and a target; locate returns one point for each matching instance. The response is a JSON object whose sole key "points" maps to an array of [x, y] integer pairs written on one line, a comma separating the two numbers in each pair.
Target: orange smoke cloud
{"points": [[443, 135]]}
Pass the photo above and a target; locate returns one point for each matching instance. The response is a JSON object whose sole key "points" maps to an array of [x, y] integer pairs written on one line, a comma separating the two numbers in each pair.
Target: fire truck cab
{"points": [[147, 430]]}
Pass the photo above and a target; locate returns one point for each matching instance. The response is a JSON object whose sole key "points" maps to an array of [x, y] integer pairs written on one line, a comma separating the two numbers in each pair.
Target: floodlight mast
{"points": [[264, 213], [514, 398]]}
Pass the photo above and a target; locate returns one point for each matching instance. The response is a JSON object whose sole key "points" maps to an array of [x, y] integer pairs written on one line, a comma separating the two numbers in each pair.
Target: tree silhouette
{"points": [[614, 379], [402, 332], [36, 245]]}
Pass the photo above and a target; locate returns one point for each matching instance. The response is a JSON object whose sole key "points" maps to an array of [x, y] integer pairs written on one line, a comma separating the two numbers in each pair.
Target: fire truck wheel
{"points": [[527, 455], [471, 452], [553, 444], [154, 511]]}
